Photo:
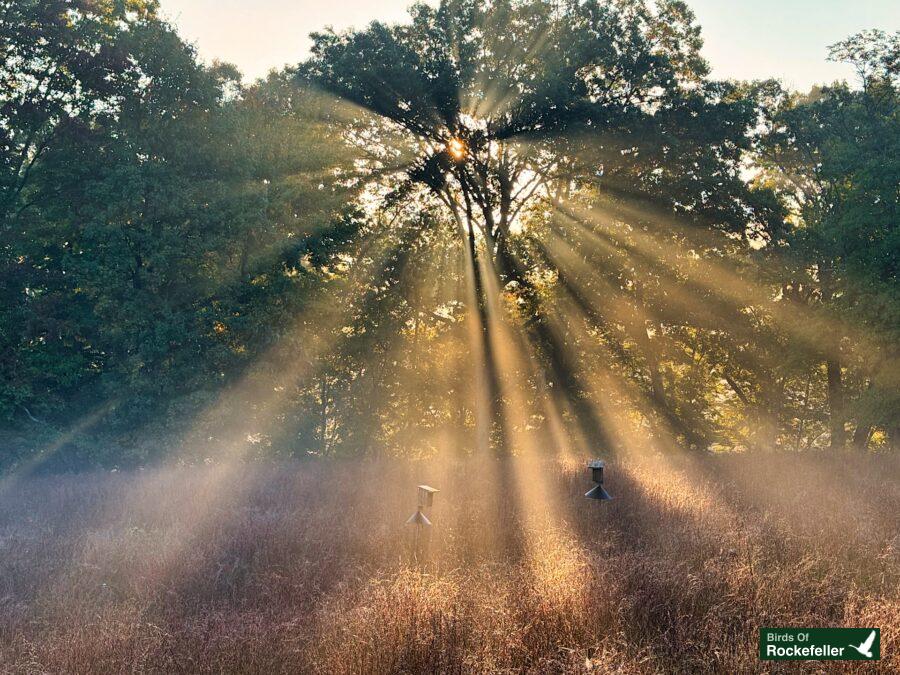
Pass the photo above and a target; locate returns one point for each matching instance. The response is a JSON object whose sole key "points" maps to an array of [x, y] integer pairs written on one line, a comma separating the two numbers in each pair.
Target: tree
{"points": [[832, 156], [69, 68], [162, 224], [506, 104]]}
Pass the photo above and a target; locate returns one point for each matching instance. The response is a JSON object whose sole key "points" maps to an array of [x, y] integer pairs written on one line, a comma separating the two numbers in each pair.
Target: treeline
{"points": [[147, 203], [186, 259]]}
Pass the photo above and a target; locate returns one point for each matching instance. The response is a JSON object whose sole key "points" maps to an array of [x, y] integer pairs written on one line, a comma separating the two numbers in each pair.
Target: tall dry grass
{"points": [[306, 567]]}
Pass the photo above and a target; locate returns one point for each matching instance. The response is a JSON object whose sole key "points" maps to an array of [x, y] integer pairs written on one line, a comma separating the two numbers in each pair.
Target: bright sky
{"points": [[745, 39]]}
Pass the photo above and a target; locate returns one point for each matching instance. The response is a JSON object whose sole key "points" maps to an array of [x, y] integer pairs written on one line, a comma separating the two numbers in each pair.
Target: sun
{"points": [[457, 148]]}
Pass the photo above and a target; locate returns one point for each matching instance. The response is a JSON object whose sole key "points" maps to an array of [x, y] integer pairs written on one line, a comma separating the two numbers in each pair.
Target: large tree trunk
{"points": [[863, 431], [768, 412], [894, 436], [836, 404], [835, 388], [323, 414], [861, 436]]}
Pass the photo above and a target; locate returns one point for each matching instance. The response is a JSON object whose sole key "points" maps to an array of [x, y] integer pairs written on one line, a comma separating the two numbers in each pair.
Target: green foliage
{"points": [[832, 155], [285, 265], [156, 217], [548, 102]]}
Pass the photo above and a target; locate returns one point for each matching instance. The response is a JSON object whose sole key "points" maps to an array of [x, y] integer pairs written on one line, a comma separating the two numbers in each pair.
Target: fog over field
{"points": [[489, 336], [308, 566]]}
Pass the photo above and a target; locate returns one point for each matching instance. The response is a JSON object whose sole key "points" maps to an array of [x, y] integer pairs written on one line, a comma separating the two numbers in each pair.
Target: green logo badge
{"points": [[814, 644]]}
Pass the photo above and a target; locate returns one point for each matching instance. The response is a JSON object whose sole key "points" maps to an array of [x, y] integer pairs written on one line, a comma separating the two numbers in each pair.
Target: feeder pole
{"points": [[419, 519]]}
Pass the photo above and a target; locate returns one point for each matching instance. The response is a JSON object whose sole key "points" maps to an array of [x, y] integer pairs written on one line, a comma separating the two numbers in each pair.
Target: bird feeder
{"points": [[426, 499], [597, 492], [426, 495]]}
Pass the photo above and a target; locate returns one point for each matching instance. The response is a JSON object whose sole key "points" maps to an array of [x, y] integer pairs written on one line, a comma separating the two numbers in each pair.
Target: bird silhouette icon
{"points": [[865, 648]]}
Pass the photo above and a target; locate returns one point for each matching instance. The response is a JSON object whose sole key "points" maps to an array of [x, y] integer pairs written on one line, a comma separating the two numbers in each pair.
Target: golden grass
{"points": [[305, 567]]}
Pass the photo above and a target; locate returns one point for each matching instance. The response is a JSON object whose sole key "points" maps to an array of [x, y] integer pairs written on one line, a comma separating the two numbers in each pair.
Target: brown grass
{"points": [[306, 567]]}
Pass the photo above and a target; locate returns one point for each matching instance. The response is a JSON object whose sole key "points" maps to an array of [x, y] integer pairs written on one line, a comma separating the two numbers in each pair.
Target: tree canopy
{"points": [[496, 224]]}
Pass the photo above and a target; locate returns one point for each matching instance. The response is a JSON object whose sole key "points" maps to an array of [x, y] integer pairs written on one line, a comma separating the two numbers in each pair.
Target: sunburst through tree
{"points": [[510, 116]]}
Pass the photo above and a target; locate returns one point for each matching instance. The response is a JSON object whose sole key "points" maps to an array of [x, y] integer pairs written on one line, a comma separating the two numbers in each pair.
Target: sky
{"points": [[745, 39]]}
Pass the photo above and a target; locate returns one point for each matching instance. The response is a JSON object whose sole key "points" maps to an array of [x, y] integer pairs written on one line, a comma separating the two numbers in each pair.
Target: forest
{"points": [[712, 260]]}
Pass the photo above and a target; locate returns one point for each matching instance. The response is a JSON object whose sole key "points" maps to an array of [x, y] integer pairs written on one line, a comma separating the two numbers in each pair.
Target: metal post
{"points": [[420, 520]]}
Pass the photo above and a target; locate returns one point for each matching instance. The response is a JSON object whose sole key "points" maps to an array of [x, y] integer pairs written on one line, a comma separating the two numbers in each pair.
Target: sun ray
{"points": [[720, 283], [555, 561], [48, 452], [268, 397], [495, 100]]}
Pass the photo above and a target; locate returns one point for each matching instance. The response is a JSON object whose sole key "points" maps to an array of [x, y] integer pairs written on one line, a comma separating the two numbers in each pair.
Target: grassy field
{"points": [[306, 567]]}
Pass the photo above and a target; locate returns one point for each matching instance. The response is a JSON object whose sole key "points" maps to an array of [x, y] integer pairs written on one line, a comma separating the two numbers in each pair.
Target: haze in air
{"points": [[489, 337]]}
